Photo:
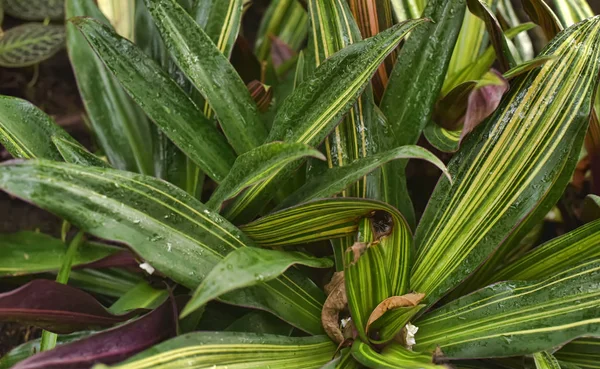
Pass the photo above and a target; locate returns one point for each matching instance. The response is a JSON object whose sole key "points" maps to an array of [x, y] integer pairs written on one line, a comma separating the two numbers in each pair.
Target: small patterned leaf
{"points": [[30, 44], [35, 9]]}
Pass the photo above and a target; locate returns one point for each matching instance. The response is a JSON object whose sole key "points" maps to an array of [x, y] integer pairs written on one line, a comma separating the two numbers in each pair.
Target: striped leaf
{"points": [[522, 43], [545, 360], [74, 153], [583, 352], [316, 105], [285, 19], [35, 10], [29, 253], [416, 81], [177, 116], [572, 11], [392, 357], [25, 130], [246, 267], [230, 349], [365, 277], [516, 318], [466, 221], [337, 218], [124, 133], [560, 253], [169, 229], [211, 73], [258, 165], [337, 179], [30, 44], [407, 9], [220, 20]]}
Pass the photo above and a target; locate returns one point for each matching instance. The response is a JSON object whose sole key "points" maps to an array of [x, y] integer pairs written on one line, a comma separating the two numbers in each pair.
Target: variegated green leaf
{"points": [[315, 107], [285, 19], [455, 234], [572, 11], [124, 134], [211, 73], [545, 360], [30, 44], [516, 318], [35, 10], [168, 228], [582, 352], [522, 43], [246, 267], [555, 255], [392, 357], [542, 14], [337, 218], [25, 130], [407, 9], [230, 349], [220, 20], [73, 152], [176, 115], [337, 179], [258, 165], [416, 81]]}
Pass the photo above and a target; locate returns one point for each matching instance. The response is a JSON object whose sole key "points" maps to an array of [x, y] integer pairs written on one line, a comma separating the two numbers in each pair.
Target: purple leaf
{"points": [[56, 307], [280, 51], [113, 345]]}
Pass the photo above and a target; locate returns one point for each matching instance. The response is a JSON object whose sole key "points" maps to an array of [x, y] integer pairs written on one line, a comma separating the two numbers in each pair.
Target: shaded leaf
{"points": [[247, 267], [583, 352], [30, 44], [142, 296], [36, 10], [545, 360], [55, 307], [542, 14]]}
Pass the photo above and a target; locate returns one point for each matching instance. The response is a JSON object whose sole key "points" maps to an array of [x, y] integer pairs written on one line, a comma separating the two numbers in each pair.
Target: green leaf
{"points": [[76, 154], [500, 175], [111, 282], [573, 11], [497, 38], [335, 180], [30, 44], [416, 81], [337, 218], [25, 130], [221, 20], [260, 322], [258, 165], [35, 10], [393, 356], [124, 134], [583, 352], [222, 349], [522, 43], [285, 19], [407, 9], [168, 228], [366, 282], [211, 73], [516, 318], [317, 104], [540, 13], [142, 296], [176, 115], [29, 253], [558, 254], [247, 267], [545, 360]]}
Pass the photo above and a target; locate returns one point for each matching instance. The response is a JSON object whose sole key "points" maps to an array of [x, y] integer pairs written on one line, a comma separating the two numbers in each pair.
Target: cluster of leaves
{"points": [[231, 175]]}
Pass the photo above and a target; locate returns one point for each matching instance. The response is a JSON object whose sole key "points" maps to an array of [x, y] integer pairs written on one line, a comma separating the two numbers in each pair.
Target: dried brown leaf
{"points": [[408, 300]]}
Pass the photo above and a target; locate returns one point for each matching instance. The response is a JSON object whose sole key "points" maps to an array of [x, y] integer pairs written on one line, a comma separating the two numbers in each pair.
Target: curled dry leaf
{"points": [[408, 300], [335, 303], [357, 250]]}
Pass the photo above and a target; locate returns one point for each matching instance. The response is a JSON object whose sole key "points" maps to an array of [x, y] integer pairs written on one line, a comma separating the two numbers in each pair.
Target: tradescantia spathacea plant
{"points": [[265, 191]]}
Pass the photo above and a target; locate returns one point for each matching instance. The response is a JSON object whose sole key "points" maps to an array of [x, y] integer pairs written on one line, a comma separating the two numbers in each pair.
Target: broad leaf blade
{"points": [[29, 253], [74, 153], [30, 44], [507, 175], [212, 74], [516, 318], [124, 134], [55, 307], [25, 130], [112, 345], [176, 115], [168, 228], [205, 349], [247, 267], [393, 356]]}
